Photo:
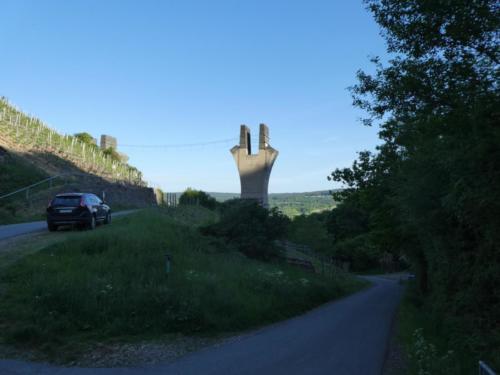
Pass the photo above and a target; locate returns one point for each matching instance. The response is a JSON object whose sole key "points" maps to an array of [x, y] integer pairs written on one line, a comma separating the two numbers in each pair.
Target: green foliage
{"points": [[85, 138], [359, 251], [112, 154], [16, 173], [311, 230], [432, 189], [198, 197], [250, 228], [428, 342], [426, 359], [113, 282], [347, 221]]}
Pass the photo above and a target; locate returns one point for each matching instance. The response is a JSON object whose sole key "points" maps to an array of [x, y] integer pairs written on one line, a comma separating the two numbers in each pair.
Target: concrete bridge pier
{"points": [[254, 169]]}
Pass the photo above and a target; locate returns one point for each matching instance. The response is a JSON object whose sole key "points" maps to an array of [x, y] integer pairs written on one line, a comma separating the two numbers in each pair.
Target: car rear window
{"points": [[70, 201]]}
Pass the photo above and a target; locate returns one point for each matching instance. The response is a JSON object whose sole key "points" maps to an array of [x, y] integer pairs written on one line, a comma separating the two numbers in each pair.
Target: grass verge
{"points": [[434, 345], [112, 283]]}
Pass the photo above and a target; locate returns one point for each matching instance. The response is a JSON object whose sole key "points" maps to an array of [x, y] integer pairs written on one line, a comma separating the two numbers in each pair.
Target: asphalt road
{"points": [[12, 230], [345, 337]]}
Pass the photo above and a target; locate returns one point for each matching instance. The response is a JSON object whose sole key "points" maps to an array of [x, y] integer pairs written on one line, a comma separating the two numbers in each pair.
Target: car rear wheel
{"points": [[92, 223], [51, 227], [107, 220]]}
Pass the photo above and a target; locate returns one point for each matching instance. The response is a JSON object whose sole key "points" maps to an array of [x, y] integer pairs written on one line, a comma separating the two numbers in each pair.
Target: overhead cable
{"points": [[180, 145]]}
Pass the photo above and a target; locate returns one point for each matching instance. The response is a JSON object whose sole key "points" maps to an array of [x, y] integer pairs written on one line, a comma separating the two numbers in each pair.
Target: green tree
{"points": [[112, 153], [433, 187], [311, 230], [250, 228], [192, 196], [365, 224], [85, 138]]}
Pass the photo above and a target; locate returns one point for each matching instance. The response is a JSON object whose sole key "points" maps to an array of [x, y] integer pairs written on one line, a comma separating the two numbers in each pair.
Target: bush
{"points": [[311, 230], [112, 153], [85, 138], [198, 197], [359, 252], [250, 228]]}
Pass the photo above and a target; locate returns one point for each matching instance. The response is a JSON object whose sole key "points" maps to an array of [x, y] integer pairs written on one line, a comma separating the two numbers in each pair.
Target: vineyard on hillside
{"points": [[25, 133]]}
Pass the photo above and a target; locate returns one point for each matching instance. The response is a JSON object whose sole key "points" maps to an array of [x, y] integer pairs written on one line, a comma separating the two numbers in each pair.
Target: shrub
{"points": [[112, 153], [427, 361], [85, 138], [199, 197], [359, 252], [249, 227], [311, 230]]}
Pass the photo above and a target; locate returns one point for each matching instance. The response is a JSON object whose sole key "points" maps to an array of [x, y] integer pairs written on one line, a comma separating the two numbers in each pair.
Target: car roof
{"points": [[72, 194]]}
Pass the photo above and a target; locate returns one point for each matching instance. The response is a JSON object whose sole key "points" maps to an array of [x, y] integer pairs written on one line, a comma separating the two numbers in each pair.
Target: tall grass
{"points": [[434, 346], [113, 282]]}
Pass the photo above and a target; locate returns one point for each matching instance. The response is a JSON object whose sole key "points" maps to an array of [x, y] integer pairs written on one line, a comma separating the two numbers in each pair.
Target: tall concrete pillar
{"points": [[254, 169]]}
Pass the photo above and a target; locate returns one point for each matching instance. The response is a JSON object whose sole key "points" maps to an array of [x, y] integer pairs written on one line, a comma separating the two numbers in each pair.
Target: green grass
{"points": [[431, 344], [112, 282], [16, 173]]}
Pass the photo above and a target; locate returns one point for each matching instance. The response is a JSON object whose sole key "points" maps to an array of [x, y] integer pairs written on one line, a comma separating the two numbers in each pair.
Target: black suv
{"points": [[77, 208]]}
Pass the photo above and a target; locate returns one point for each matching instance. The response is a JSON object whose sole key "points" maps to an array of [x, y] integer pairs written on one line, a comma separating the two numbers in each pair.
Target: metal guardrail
{"points": [[49, 180], [27, 188], [484, 369]]}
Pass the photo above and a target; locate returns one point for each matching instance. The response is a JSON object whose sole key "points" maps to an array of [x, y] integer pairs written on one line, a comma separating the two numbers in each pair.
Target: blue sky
{"points": [[176, 72]]}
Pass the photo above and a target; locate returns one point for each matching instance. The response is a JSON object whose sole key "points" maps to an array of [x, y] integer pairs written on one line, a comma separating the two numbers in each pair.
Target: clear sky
{"points": [[177, 72]]}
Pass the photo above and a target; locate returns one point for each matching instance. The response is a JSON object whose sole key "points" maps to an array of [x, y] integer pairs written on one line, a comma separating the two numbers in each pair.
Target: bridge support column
{"points": [[254, 169]]}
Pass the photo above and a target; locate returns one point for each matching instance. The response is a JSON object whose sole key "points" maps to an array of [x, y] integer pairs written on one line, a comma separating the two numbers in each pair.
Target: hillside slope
{"points": [[30, 152]]}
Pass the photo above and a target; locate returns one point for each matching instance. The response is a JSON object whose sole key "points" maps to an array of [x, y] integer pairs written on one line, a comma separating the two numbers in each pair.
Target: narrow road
{"points": [[12, 230], [345, 337]]}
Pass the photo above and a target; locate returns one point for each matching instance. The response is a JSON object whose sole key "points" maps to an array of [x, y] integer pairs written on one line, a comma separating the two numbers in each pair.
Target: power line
{"points": [[181, 145]]}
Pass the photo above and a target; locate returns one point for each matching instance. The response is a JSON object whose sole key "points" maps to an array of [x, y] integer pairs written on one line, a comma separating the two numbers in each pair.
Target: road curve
{"points": [[345, 337], [13, 230]]}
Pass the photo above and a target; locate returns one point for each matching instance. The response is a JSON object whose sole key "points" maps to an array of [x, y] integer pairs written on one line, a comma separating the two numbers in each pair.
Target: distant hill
{"points": [[291, 204]]}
